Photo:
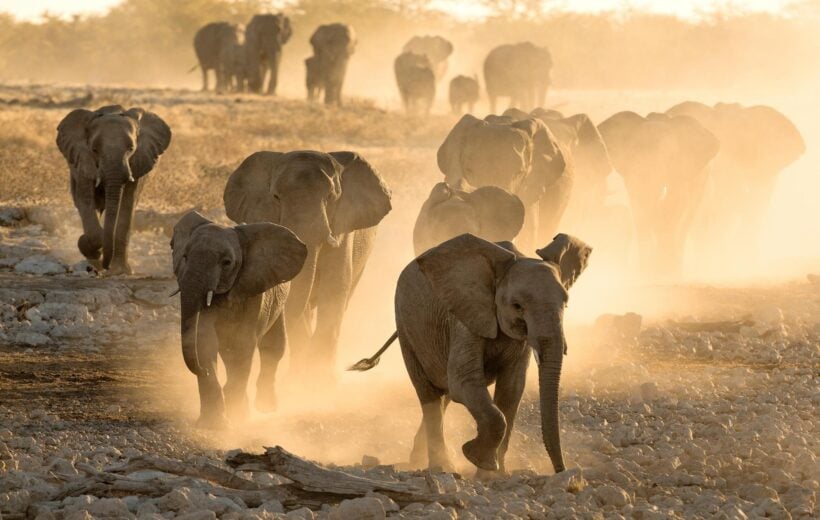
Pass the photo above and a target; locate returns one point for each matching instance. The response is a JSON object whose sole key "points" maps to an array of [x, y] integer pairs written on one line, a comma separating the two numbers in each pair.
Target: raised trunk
{"points": [[113, 196], [551, 353]]}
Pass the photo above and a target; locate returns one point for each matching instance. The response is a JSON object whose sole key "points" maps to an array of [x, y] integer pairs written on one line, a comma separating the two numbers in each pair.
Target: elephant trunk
{"points": [[193, 293], [114, 182], [551, 353]]}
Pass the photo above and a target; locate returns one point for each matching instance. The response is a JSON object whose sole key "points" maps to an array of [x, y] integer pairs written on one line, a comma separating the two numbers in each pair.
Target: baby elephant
{"points": [[490, 213], [233, 283], [463, 91], [468, 312]]}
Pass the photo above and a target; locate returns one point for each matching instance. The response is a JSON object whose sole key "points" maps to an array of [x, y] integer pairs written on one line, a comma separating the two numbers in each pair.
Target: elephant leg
{"points": [[433, 425], [84, 194], [491, 99], [274, 76], [271, 350], [122, 232], [211, 402], [237, 354], [509, 388], [204, 78]]}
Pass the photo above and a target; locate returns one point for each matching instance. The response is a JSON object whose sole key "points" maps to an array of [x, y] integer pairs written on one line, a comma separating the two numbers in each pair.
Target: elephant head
{"points": [[317, 195], [521, 157], [488, 212], [436, 48], [265, 36], [106, 149], [218, 265], [491, 289]]}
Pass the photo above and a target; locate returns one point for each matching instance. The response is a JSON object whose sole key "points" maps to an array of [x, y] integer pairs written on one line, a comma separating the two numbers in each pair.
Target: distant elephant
{"points": [[233, 283], [416, 81], [756, 144], [313, 80], [519, 71], [265, 36], [580, 138], [333, 45], [489, 213], [468, 312], [663, 161], [463, 91], [333, 203], [213, 44], [521, 157], [436, 48], [236, 70], [109, 153]]}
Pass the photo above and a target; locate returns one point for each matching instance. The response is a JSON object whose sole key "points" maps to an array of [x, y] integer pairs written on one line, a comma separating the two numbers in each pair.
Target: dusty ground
{"points": [[658, 421]]}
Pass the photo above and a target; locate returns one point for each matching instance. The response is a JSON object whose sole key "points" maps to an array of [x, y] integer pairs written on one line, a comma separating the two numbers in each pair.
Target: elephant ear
{"points": [[153, 139], [548, 162], [271, 254], [585, 129], [779, 140], [183, 230], [285, 30], [449, 153], [247, 195], [698, 146], [570, 254], [500, 213], [365, 198], [72, 142], [463, 272]]}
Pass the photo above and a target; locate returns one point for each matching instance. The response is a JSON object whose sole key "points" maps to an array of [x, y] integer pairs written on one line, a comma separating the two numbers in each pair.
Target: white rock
{"points": [[609, 495], [303, 513], [70, 312], [365, 508], [40, 264]]}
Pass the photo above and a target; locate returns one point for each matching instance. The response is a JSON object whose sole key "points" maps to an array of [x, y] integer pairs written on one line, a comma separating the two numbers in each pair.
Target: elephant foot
{"points": [[213, 422], [485, 476], [481, 457], [266, 402], [441, 463], [118, 268]]}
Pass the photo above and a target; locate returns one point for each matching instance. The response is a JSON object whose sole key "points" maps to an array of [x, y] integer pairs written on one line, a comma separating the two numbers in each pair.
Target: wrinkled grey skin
{"points": [[333, 203], [416, 81], [313, 80], [664, 162], [519, 71], [233, 283], [109, 153], [436, 48], [756, 144], [464, 91], [468, 312], [333, 44], [265, 36], [488, 212], [592, 165], [213, 44], [521, 157]]}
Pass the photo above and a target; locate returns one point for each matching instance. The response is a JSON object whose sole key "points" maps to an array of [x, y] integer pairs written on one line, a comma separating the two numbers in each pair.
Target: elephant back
{"points": [[211, 41]]}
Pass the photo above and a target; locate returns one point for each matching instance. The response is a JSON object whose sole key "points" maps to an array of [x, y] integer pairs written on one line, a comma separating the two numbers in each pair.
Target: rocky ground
{"points": [[712, 415]]}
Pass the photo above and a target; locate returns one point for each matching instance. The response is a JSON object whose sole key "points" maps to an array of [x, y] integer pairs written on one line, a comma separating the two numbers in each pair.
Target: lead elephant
{"points": [[521, 157], [664, 162], [436, 48], [233, 283], [213, 45], [416, 82], [333, 203], [333, 45], [265, 36], [519, 71], [756, 144], [468, 312], [489, 213], [109, 153]]}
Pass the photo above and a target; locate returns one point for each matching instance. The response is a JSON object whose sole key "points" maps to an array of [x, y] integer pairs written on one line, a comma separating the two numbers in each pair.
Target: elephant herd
{"points": [[471, 306], [248, 58]]}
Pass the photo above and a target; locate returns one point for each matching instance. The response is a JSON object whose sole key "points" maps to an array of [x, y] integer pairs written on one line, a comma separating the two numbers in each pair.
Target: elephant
{"points": [[333, 44], [416, 81], [436, 48], [521, 157], [109, 152], [265, 36], [313, 82], [233, 284], [490, 213], [664, 163], [467, 314], [236, 70], [519, 71], [213, 44], [463, 91], [333, 202], [744, 173]]}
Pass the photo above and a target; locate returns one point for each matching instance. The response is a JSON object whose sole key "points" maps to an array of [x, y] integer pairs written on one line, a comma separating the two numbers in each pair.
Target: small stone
{"points": [[365, 508], [31, 339], [369, 461], [303, 513], [40, 264], [609, 495]]}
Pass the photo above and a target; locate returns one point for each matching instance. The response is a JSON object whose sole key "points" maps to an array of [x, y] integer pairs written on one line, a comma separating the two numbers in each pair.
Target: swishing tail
{"points": [[193, 68], [372, 361]]}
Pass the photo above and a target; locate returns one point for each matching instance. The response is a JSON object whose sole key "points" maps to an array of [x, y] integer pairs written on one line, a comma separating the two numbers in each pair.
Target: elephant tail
{"points": [[372, 361], [193, 68]]}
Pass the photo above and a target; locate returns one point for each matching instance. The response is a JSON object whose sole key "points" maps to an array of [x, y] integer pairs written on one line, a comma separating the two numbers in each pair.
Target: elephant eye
{"points": [[517, 306], [226, 262]]}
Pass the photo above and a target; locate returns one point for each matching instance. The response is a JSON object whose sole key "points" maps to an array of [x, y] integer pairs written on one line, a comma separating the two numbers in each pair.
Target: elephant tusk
{"points": [[173, 293], [209, 298], [98, 181], [332, 241]]}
